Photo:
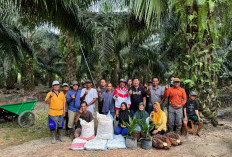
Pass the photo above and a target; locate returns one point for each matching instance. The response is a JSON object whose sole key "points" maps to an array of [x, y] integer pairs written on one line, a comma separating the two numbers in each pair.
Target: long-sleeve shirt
{"points": [[122, 97], [177, 96], [162, 125], [74, 104]]}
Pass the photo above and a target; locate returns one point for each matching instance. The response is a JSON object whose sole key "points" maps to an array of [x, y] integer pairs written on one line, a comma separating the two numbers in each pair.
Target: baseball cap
{"points": [[193, 93], [149, 81], [88, 81], [74, 83], [55, 82], [64, 84], [176, 80], [122, 80]]}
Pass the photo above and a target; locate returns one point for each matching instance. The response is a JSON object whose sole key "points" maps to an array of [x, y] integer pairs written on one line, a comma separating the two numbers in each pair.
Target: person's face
{"points": [[56, 87], [83, 107], [123, 107], [75, 87], [136, 82], [156, 108], [141, 107], [109, 87], [84, 85], [155, 82], [172, 78], [65, 88], [88, 85], [192, 97], [122, 84], [129, 82], [103, 83], [176, 84], [149, 84]]}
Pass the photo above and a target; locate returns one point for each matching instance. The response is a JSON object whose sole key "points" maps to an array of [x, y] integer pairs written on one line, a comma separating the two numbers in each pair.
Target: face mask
{"points": [[171, 82]]}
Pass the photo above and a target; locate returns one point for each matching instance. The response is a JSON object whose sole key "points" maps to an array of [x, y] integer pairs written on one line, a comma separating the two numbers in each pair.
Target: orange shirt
{"points": [[56, 106], [176, 96]]}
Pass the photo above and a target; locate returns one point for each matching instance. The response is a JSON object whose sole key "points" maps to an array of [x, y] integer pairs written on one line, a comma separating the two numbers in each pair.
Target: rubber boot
{"points": [[60, 135], [53, 136], [178, 131]]}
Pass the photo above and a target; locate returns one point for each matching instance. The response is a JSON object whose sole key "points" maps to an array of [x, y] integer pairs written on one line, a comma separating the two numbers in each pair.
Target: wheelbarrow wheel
{"points": [[26, 119]]}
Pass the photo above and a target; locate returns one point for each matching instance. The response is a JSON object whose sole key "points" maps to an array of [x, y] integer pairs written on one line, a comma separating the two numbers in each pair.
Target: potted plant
{"points": [[131, 140], [146, 139]]}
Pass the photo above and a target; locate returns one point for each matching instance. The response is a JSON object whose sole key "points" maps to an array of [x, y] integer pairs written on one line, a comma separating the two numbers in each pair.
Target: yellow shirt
{"points": [[162, 125], [56, 106]]}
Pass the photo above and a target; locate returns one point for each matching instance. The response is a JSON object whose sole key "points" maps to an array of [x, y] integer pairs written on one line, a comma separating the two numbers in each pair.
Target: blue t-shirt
{"points": [[74, 104]]}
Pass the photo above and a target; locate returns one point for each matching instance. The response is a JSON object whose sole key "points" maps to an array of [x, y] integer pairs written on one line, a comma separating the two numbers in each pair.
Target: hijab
{"points": [[157, 114], [141, 114], [124, 114]]}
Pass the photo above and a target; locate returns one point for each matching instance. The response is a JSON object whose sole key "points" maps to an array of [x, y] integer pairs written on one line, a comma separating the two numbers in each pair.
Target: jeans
{"points": [[120, 130]]}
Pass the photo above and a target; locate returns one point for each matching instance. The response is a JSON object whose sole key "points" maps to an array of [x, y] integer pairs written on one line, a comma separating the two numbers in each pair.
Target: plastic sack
{"points": [[105, 130], [118, 143], [96, 144], [87, 130], [78, 144]]}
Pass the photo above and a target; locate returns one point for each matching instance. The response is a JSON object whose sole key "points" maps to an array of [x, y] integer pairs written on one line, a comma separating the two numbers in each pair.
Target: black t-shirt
{"points": [[136, 97], [191, 106]]}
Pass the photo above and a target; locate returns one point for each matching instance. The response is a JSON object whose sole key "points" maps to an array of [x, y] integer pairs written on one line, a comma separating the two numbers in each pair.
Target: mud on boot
{"points": [[53, 136], [60, 135]]}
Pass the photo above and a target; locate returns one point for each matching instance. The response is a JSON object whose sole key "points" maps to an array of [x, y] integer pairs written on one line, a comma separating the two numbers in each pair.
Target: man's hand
{"points": [[149, 88], [52, 95], [200, 120], [166, 87], [80, 111], [98, 89], [186, 119], [116, 95], [155, 132], [130, 92], [73, 96], [64, 114], [145, 85], [86, 92]]}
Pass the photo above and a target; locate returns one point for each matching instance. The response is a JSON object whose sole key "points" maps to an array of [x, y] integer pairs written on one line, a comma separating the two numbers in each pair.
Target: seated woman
{"points": [[159, 118], [141, 113], [122, 116]]}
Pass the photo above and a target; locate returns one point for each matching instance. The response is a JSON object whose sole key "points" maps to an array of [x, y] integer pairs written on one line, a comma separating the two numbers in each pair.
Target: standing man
{"points": [[129, 83], [74, 100], [137, 95], [89, 95], [121, 95], [82, 85], [65, 88], [107, 99], [171, 83], [147, 96], [155, 93], [177, 99], [103, 89], [56, 112]]}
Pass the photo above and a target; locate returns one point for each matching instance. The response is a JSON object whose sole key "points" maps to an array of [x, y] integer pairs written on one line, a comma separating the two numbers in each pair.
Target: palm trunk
{"points": [[114, 71], [199, 61], [28, 74]]}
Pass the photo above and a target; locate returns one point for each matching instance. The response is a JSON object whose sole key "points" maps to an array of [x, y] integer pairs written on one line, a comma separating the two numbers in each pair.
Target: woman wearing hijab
{"points": [[141, 113], [122, 116], [159, 118]]}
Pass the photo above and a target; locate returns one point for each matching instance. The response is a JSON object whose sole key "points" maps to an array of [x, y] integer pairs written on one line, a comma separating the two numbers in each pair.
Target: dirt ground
{"points": [[216, 142]]}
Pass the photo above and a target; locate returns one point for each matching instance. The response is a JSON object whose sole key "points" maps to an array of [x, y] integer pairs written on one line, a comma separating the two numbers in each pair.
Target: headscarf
{"points": [[157, 115], [124, 114], [141, 114]]}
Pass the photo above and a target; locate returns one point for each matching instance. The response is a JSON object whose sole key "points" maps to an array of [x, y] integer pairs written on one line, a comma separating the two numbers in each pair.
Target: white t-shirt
{"points": [[92, 93]]}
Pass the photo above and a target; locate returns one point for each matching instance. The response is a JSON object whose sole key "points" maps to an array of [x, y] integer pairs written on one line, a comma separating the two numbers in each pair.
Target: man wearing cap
{"points": [[102, 88], [155, 93], [191, 111], [65, 88], [56, 112], [73, 99], [177, 99], [89, 95], [121, 95]]}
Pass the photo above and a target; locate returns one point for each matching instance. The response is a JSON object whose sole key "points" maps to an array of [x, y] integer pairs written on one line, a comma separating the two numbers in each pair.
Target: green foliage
{"points": [[131, 125], [146, 128]]}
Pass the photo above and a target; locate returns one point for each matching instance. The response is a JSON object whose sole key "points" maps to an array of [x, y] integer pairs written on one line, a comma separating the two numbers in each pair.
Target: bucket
{"points": [[146, 143], [131, 142]]}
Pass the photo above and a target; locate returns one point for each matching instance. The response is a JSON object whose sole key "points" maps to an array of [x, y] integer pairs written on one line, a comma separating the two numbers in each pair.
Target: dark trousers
{"points": [[66, 120]]}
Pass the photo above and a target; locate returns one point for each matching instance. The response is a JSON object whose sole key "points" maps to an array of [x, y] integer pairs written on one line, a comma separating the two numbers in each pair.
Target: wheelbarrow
{"points": [[21, 111]]}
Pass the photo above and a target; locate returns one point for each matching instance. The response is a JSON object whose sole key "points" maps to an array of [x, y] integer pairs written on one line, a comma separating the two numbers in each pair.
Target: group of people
{"points": [[129, 99]]}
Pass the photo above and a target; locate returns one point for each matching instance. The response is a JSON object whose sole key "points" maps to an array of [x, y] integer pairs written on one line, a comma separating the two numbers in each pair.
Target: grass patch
{"points": [[12, 134]]}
